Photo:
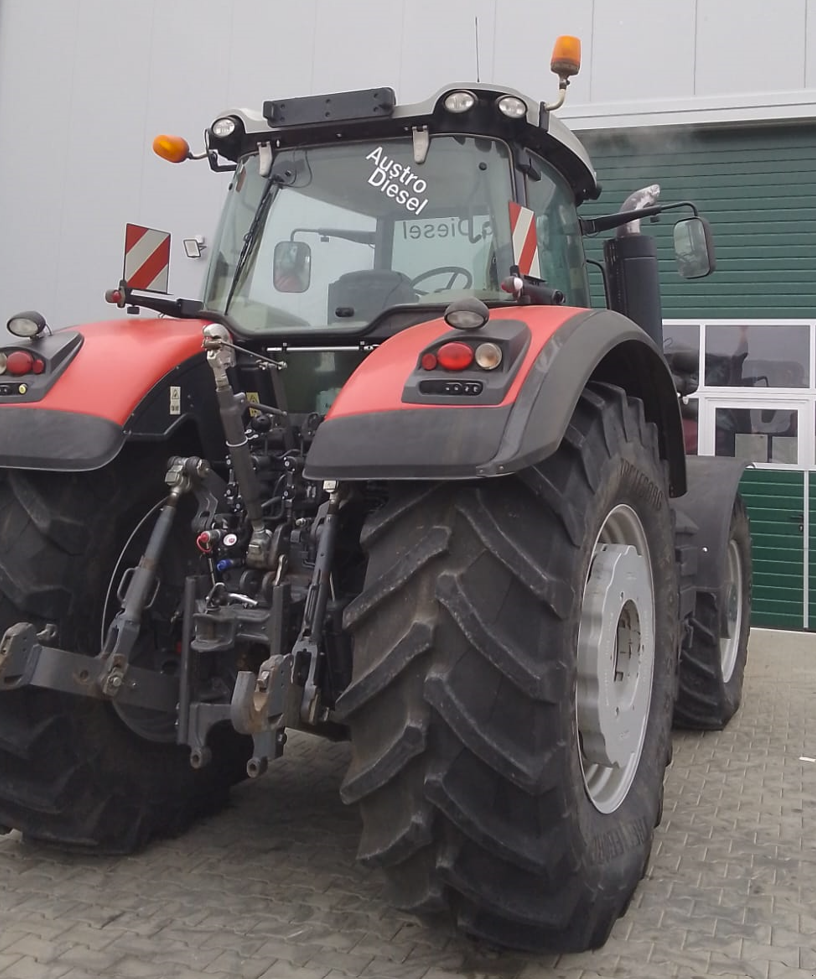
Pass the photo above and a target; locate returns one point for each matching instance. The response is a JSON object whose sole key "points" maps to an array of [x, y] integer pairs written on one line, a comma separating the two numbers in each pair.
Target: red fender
{"points": [[378, 383], [72, 417], [119, 363], [394, 420]]}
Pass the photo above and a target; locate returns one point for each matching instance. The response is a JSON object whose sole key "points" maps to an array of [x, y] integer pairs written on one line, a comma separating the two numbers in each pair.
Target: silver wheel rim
{"points": [[616, 654], [729, 642]]}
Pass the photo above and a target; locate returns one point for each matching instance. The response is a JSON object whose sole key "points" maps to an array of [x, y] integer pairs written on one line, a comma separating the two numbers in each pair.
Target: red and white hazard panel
{"points": [[525, 244], [147, 258]]}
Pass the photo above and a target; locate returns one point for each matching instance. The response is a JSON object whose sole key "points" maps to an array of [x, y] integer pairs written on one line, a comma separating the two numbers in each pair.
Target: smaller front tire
{"points": [[712, 667]]}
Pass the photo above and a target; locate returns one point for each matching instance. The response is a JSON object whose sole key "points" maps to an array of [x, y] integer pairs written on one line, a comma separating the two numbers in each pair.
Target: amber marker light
{"points": [[174, 149], [566, 56]]}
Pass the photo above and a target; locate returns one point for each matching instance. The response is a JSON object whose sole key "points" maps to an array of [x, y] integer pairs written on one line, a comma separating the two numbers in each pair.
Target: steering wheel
{"points": [[453, 270]]}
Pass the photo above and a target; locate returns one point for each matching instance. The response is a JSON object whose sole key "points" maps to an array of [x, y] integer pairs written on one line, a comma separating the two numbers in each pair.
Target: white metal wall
{"points": [[85, 84]]}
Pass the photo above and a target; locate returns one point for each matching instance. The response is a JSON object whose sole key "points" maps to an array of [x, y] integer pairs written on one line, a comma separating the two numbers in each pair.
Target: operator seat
{"points": [[368, 293]]}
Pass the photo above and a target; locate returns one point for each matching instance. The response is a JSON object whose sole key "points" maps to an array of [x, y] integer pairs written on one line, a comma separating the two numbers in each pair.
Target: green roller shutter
{"points": [[775, 502], [811, 493], [756, 186]]}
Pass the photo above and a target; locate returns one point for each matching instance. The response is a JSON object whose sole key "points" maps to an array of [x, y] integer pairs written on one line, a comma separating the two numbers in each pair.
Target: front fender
{"points": [[116, 386], [372, 431]]}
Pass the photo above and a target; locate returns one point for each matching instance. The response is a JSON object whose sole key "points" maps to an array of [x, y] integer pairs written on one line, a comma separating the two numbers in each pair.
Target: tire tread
{"points": [[512, 881]]}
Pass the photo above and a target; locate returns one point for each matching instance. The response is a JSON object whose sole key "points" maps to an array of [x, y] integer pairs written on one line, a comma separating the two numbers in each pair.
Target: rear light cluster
{"points": [[458, 356], [20, 362]]}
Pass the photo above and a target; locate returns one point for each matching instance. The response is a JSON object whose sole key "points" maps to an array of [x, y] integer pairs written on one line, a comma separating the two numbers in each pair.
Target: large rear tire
{"points": [[712, 668], [72, 772], [482, 713]]}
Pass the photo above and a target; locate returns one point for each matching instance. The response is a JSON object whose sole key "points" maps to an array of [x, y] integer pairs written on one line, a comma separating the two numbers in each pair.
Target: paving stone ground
{"points": [[271, 888]]}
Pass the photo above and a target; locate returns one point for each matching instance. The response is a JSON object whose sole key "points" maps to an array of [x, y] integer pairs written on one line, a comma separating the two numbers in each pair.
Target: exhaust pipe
{"points": [[632, 272]]}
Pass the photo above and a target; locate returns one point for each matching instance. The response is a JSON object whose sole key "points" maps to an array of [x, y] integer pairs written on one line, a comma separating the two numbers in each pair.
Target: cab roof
{"points": [[374, 113]]}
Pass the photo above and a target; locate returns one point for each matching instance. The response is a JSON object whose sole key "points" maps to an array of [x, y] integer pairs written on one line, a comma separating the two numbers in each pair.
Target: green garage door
{"points": [[757, 188], [775, 506], [811, 495]]}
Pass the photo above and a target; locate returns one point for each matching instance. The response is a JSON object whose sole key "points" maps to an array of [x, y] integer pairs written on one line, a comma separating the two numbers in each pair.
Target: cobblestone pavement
{"points": [[271, 889]]}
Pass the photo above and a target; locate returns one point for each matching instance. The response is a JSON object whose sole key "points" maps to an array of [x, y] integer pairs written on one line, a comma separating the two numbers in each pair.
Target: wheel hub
{"points": [[612, 697], [616, 657]]}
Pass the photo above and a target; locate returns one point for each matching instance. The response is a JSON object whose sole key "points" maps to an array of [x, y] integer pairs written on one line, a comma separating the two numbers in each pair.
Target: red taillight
{"points": [[455, 356], [19, 362], [428, 361]]}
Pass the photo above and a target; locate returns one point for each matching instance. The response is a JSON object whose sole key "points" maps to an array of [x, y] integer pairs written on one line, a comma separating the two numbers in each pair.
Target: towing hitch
{"points": [[285, 691]]}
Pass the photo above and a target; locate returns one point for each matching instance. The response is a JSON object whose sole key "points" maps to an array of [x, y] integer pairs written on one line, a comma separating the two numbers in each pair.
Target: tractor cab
{"points": [[351, 214], [351, 218], [339, 218], [349, 234]]}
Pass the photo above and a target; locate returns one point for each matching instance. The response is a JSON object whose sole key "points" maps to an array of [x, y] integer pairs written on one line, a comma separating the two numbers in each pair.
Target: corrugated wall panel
{"points": [[775, 502], [812, 551], [756, 186]]}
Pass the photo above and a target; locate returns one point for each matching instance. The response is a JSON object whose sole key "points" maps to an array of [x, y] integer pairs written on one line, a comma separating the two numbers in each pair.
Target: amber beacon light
{"points": [[566, 56], [174, 149], [565, 62]]}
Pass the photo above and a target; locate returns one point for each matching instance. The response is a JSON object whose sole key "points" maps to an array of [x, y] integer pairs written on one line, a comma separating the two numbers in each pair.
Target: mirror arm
{"points": [[592, 226], [183, 309]]}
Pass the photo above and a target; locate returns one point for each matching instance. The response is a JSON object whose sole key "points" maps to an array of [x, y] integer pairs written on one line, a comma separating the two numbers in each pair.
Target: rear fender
{"points": [[601, 346], [128, 380], [377, 430]]}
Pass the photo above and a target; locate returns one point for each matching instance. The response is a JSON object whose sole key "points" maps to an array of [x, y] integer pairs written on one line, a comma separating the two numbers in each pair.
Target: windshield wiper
{"points": [[274, 182]]}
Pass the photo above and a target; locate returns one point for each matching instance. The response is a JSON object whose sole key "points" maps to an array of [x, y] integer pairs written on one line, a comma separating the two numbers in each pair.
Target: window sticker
{"points": [[474, 229], [398, 181]]}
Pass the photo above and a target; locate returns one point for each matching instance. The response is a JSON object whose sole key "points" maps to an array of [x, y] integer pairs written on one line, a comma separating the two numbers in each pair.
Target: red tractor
{"points": [[391, 480]]}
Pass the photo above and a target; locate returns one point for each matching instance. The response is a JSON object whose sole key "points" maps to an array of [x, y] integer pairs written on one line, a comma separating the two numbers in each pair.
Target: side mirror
{"points": [[292, 266], [694, 248]]}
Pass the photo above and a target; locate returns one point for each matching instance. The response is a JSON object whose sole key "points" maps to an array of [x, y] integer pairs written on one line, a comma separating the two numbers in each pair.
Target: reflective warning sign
{"points": [[525, 245], [147, 258]]}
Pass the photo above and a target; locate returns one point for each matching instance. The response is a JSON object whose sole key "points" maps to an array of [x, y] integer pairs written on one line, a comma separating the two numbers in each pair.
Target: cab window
{"points": [[560, 245]]}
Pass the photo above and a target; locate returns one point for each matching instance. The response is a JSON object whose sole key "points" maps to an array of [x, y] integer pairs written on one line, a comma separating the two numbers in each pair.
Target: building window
{"points": [[758, 434], [757, 356], [681, 347]]}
